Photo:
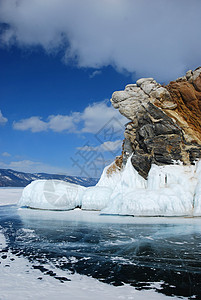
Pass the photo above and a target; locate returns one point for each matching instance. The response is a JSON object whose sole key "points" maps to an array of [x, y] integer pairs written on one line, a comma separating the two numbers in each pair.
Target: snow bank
{"points": [[172, 190], [52, 194], [96, 198], [169, 191]]}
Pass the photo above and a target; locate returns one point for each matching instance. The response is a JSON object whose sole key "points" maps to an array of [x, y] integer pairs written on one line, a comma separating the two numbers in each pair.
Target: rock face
{"points": [[165, 122]]}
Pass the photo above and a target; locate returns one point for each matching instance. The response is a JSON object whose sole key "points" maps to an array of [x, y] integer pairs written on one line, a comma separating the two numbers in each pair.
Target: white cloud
{"points": [[29, 166], [159, 38], [110, 146], [35, 124], [3, 120], [97, 116], [95, 73], [104, 147], [6, 154], [60, 123], [91, 120]]}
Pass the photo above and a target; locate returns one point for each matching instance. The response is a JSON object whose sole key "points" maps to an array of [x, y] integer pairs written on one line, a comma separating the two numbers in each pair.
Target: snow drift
{"points": [[171, 190]]}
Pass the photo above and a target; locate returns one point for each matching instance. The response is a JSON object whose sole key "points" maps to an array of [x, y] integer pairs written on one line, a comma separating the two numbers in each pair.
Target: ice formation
{"points": [[170, 190], [52, 194]]}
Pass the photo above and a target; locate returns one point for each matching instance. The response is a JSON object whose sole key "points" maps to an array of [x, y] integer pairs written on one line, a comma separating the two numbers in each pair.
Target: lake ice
{"points": [[137, 257]]}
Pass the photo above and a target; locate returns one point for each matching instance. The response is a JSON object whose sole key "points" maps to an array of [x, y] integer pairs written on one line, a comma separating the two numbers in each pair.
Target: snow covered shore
{"points": [[10, 195], [171, 190]]}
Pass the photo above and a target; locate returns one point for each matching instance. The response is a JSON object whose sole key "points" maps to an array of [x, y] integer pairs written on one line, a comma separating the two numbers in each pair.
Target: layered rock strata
{"points": [[165, 122]]}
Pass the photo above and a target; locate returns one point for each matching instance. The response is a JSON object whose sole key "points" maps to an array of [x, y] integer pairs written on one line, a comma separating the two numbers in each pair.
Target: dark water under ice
{"points": [[115, 250]]}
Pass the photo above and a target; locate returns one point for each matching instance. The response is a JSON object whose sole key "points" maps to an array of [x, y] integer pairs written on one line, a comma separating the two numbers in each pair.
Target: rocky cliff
{"points": [[165, 122]]}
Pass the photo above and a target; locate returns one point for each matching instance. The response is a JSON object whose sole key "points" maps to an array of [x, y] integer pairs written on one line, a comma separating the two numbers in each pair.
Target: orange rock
{"points": [[197, 83], [188, 101]]}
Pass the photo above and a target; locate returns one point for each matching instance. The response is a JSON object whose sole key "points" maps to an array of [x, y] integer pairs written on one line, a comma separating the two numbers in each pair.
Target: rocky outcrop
{"points": [[165, 122]]}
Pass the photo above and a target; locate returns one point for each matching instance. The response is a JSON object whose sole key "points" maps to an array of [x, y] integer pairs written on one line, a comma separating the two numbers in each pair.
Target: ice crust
{"points": [[171, 190]]}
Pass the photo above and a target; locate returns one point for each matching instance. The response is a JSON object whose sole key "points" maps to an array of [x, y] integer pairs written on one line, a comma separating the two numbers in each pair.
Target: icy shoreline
{"points": [[171, 190], [18, 274]]}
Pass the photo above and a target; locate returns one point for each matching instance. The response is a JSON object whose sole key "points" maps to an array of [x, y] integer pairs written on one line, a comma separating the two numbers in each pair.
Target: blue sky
{"points": [[60, 62], [37, 85]]}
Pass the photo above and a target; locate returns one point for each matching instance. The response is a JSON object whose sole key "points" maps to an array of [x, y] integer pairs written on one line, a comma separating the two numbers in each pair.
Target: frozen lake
{"points": [[113, 249]]}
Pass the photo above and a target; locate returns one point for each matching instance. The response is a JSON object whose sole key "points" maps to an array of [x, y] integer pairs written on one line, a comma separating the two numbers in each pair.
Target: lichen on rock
{"points": [[165, 123]]}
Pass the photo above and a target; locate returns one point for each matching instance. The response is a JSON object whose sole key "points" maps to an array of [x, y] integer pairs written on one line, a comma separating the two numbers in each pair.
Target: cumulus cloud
{"points": [[6, 154], [61, 123], [32, 167], [98, 115], [95, 73], [159, 38], [104, 147], [91, 120], [35, 124], [3, 120]]}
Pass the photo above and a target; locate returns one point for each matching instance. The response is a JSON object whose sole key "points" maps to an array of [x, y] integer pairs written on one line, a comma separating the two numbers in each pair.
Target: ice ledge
{"points": [[171, 190]]}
